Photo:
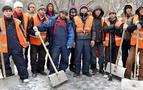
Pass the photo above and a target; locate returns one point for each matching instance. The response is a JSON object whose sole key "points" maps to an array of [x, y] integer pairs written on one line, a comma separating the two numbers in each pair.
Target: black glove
{"points": [[141, 23], [131, 28]]}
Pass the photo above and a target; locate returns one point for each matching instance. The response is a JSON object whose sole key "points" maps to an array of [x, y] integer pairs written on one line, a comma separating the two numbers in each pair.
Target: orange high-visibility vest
{"points": [[3, 36], [35, 40], [80, 27], [26, 19], [134, 34], [107, 35]]}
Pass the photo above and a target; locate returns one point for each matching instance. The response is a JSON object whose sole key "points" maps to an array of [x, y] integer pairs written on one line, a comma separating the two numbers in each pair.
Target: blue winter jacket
{"points": [[70, 31]]}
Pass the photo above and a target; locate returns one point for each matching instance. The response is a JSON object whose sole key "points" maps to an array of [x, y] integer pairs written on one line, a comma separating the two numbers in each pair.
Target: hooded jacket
{"points": [[97, 27]]}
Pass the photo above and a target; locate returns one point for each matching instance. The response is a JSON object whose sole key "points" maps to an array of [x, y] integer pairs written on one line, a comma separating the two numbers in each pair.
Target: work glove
{"points": [[125, 26], [92, 43], [47, 43], [37, 33], [139, 26]]}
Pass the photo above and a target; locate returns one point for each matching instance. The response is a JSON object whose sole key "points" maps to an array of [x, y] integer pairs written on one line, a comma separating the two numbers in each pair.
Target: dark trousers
{"points": [[100, 48], [19, 61], [26, 56], [82, 52], [114, 54], [61, 64], [125, 50], [37, 58], [72, 66]]}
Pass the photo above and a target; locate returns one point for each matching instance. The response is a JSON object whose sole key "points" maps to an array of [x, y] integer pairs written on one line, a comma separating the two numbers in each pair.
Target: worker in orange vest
{"points": [[127, 18], [137, 25], [25, 22], [83, 24], [12, 43], [112, 27], [37, 49]]}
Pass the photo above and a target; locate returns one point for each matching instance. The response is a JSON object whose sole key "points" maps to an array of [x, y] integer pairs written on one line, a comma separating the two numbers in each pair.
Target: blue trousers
{"points": [[62, 63], [82, 52]]}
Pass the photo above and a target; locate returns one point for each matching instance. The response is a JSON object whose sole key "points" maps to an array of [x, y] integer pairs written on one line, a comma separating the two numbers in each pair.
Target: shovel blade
{"points": [[127, 84], [58, 79], [116, 70], [9, 82]]}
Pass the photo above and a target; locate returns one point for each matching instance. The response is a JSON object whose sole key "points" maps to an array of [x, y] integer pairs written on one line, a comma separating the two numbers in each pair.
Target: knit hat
{"points": [[6, 7], [41, 7], [64, 11], [18, 4], [83, 5], [112, 11]]}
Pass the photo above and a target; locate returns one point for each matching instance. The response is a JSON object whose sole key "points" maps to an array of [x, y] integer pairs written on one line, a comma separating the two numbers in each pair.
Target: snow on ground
{"points": [[96, 82]]}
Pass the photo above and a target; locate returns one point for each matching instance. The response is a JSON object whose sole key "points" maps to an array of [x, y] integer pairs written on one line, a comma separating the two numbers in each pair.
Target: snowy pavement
{"points": [[96, 82]]}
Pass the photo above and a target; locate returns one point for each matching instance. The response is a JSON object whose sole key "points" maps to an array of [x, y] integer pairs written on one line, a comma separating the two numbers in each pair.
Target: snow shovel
{"points": [[58, 77], [117, 70], [133, 84]]}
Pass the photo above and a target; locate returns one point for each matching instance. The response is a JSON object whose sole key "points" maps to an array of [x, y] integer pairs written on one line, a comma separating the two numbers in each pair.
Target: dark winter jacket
{"points": [[97, 27]]}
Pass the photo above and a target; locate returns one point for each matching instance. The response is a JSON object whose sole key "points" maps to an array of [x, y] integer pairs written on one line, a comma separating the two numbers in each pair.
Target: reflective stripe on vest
{"points": [[80, 27], [134, 34], [3, 36], [117, 38], [35, 40]]}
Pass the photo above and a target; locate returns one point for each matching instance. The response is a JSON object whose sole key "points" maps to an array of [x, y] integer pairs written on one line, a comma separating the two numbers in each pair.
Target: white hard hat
{"points": [[18, 4]]}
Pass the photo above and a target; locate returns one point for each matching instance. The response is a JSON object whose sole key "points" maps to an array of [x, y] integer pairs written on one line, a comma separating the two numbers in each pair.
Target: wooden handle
{"points": [[47, 51], [136, 53]]}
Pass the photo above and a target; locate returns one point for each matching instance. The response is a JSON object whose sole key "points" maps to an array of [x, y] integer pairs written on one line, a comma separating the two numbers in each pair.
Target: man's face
{"points": [[89, 12], [97, 12], [32, 8], [62, 16], [8, 13], [112, 15], [141, 11], [73, 13], [42, 12], [83, 10], [50, 7], [19, 9], [129, 11]]}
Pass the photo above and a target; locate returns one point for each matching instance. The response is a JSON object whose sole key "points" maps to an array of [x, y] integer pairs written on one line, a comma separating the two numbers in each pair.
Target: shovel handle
{"points": [[47, 51], [118, 55], [3, 64], [136, 53]]}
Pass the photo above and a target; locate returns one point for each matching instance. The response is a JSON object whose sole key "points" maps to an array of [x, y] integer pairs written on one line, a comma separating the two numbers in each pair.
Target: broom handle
{"points": [[136, 53], [47, 51], [118, 55]]}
